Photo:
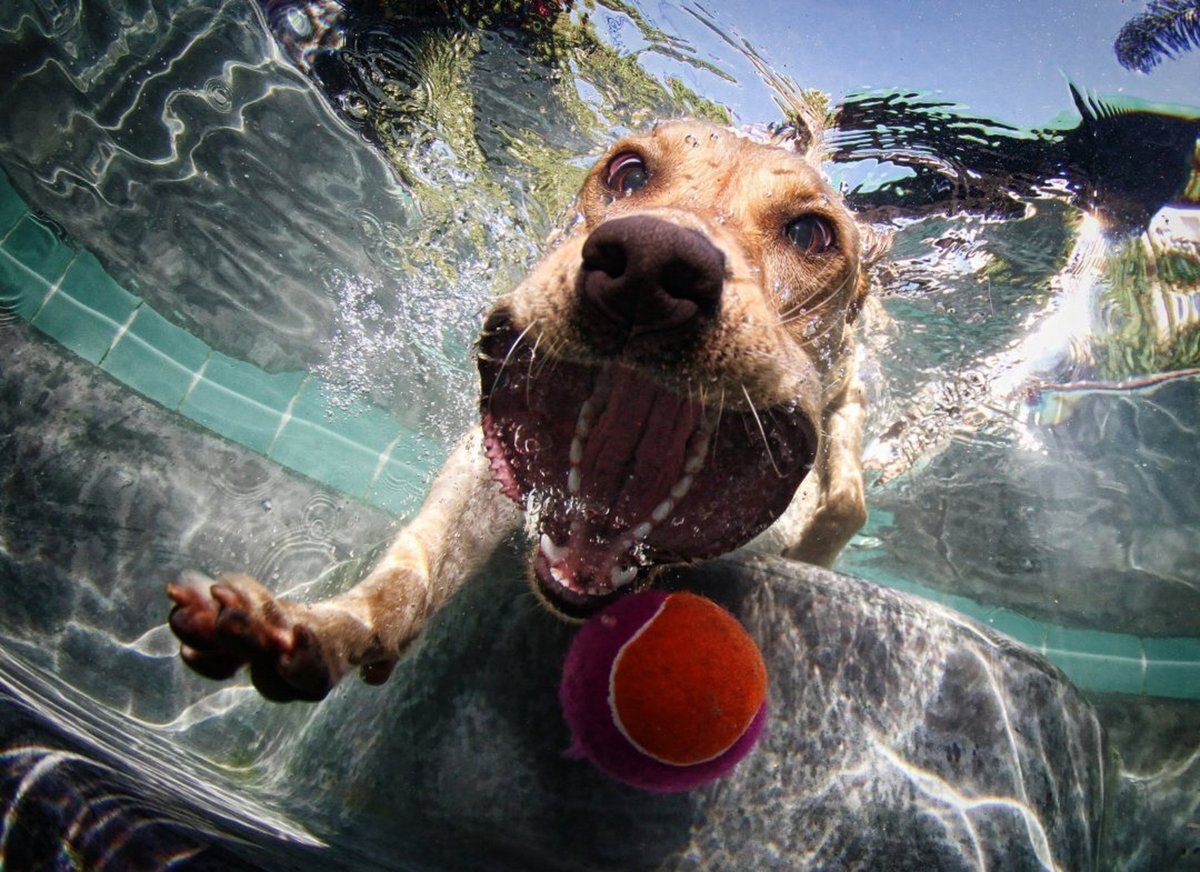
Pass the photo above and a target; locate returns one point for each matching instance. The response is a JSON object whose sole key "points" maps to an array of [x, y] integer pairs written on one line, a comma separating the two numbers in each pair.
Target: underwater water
{"points": [[246, 249]]}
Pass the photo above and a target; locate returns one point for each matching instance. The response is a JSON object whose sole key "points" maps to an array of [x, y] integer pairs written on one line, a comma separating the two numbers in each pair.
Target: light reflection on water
{"points": [[1012, 359]]}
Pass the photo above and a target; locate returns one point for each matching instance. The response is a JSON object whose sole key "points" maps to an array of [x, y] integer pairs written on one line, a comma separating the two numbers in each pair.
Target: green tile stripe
{"points": [[360, 450], [1167, 666], [367, 454]]}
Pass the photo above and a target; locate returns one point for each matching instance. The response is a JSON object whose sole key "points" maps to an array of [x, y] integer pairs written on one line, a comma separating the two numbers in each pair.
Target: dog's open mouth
{"points": [[618, 474]]}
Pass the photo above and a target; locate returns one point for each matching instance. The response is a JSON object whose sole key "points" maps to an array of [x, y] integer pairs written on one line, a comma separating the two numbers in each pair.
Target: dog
{"points": [[675, 378]]}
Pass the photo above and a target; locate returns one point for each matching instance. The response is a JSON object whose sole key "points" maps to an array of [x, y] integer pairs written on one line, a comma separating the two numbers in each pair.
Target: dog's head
{"points": [[652, 392]]}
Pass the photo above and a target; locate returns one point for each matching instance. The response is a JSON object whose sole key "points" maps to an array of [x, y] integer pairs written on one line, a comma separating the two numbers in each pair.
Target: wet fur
{"points": [[784, 335]]}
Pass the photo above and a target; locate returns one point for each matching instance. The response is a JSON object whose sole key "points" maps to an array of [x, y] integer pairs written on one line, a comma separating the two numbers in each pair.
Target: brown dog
{"points": [[673, 378]]}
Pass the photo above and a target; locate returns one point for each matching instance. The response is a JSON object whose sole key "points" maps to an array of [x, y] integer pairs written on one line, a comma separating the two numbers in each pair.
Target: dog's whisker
{"points": [[717, 423], [822, 312], [550, 358], [812, 339], [815, 303], [830, 326], [512, 350], [533, 352], [762, 430], [535, 368]]}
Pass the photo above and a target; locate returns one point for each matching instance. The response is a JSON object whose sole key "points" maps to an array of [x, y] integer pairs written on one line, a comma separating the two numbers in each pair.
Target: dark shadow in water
{"points": [[1124, 160], [66, 808], [368, 59]]}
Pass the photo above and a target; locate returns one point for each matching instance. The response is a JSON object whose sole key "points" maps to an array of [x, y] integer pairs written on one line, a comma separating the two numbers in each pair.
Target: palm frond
{"points": [[1166, 29]]}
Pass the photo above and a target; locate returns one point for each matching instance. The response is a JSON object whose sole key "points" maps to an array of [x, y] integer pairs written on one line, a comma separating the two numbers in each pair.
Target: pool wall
{"points": [[362, 451], [355, 448]]}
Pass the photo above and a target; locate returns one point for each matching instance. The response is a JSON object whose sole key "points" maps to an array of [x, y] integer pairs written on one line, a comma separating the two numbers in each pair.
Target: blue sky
{"points": [[1006, 59]]}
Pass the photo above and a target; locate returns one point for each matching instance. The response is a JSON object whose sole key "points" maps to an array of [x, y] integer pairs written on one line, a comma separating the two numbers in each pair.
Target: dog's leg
{"points": [[298, 651], [842, 509]]}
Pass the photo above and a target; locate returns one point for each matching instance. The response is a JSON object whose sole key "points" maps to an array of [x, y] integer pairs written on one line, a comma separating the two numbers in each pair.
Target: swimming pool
{"points": [[245, 251]]}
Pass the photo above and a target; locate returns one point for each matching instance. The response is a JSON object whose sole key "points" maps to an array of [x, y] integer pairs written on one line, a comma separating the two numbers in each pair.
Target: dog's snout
{"points": [[648, 275]]}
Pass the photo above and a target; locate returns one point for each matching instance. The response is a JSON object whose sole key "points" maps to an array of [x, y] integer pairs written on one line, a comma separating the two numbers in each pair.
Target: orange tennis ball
{"points": [[664, 691]]}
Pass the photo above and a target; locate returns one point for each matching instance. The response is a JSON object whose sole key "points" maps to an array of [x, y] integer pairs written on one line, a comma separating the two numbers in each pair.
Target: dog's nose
{"points": [[647, 275]]}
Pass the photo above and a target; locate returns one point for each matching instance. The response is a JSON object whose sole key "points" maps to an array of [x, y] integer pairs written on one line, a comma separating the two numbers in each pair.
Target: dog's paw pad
{"points": [[249, 625], [216, 665], [226, 624], [194, 616], [378, 672], [301, 672]]}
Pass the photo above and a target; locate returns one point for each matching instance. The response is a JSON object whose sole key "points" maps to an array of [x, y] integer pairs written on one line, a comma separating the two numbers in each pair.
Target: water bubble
{"points": [[319, 516], [298, 22], [218, 94], [355, 106]]}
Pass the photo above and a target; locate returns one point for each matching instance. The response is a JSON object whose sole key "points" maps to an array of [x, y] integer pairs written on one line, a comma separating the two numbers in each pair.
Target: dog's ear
{"points": [[873, 245], [808, 115], [804, 136]]}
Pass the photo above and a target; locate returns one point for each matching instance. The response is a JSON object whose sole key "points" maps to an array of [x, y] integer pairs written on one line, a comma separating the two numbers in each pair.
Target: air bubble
{"points": [[298, 23], [218, 94]]}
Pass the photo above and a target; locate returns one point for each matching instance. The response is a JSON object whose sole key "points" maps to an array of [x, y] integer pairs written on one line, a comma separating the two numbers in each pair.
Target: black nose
{"points": [[647, 275]]}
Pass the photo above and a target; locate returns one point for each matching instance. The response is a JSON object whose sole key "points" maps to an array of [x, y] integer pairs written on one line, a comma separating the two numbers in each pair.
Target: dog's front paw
{"points": [[235, 621]]}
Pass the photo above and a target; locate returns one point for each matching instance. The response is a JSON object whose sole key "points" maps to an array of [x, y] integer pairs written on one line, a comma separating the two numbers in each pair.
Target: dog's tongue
{"points": [[636, 447], [634, 444]]}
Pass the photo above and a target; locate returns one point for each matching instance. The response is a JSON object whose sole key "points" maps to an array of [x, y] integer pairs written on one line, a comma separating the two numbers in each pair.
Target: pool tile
{"points": [[358, 422], [1172, 667], [963, 605], [1107, 662], [87, 311], [156, 358], [396, 495], [240, 401], [34, 244], [77, 327], [344, 447], [12, 207], [88, 283], [404, 480], [319, 451], [22, 291], [1023, 629]]}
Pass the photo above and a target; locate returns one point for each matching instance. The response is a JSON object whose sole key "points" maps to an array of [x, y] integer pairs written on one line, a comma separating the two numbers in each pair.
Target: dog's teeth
{"points": [[583, 424], [682, 487], [661, 511], [576, 451], [573, 481], [622, 577], [698, 448], [554, 553], [642, 530]]}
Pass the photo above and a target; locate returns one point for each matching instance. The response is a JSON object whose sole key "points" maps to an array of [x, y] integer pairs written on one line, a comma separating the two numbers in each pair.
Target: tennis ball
{"points": [[664, 691]]}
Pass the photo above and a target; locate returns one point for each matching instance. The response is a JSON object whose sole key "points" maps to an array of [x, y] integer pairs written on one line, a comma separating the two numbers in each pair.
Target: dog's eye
{"points": [[626, 173], [809, 233]]}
